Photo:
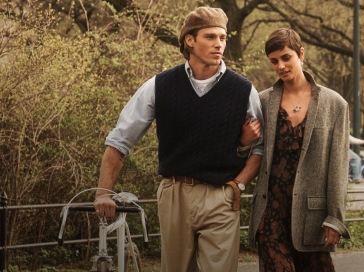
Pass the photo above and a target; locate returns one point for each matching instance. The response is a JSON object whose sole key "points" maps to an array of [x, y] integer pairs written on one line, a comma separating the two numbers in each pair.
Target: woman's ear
{"points": [[302, 54]]}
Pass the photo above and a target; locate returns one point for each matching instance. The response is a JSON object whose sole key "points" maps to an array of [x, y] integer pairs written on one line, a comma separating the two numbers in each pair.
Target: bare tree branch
{"points": [[148, 22], [313, 37], [86, 16], [349, 4], [255, 25]]}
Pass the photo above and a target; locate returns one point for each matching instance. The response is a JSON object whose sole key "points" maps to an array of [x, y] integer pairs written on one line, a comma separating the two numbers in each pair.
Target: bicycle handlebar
{"points": [[92, 209], [119, 209]]}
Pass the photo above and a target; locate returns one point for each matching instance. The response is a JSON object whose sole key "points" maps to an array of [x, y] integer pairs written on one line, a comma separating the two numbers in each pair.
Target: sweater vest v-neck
{"points": [[198, 136]]}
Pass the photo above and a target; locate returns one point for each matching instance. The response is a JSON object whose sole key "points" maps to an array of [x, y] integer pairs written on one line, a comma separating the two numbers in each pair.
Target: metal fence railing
{"points": [[3, 225]]}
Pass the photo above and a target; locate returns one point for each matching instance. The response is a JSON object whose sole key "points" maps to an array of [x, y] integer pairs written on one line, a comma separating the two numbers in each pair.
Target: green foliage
{"points": [[244, 243], [356, 230], [59, 98], [48, 269], [245, 214]]}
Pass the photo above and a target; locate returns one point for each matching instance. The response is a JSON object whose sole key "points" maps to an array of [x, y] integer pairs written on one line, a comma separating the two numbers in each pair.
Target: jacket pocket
{"points": [[316, 203], [314, 233]]}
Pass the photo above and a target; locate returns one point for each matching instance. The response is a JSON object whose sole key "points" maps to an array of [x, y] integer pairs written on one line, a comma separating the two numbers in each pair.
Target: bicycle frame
{"points": [[102, 248], [120, 234], [121, 242], [121, 227]]}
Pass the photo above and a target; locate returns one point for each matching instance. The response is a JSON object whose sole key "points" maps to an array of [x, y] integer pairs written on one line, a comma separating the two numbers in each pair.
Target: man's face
{"points": [[208, 47]]}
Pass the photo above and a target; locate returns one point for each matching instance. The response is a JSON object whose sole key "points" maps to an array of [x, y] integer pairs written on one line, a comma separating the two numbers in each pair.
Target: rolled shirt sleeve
{"points": [[255, 112], [135, 119]]}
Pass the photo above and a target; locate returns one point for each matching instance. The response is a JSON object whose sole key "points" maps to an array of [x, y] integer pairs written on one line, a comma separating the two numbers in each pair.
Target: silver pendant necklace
{"points": [[297, 106]]}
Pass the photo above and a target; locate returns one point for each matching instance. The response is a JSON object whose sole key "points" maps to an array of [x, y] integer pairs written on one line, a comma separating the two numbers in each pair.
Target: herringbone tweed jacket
{"points": [[319, 193]]}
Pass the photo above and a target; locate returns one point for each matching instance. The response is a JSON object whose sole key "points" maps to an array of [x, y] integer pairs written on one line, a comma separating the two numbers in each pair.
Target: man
{"points": [[355, 167], [201, 108]]}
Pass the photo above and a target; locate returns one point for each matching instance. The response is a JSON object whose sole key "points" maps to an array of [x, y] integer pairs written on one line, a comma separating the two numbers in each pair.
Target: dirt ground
{"points": [[245, 258], [153, 264]]}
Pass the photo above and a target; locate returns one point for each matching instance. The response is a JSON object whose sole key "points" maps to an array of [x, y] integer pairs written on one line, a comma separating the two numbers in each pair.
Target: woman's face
{"points": [[286, 63]]}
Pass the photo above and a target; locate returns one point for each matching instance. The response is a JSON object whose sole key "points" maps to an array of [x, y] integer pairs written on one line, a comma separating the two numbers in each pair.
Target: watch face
{"points": [[241, 186]]}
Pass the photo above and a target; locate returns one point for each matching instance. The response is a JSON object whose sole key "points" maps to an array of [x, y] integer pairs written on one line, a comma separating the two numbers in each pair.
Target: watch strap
{"points": [[243, 148]]}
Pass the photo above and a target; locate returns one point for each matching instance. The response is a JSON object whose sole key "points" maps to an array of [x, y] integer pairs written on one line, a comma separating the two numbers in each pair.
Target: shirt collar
{"points": [[221, 71]]}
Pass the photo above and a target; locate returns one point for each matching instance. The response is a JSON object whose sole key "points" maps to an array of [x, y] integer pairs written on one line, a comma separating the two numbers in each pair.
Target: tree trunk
{"points": [[236, 18]]}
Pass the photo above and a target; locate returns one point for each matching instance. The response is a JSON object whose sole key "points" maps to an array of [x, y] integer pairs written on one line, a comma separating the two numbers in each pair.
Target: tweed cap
{"points": [[202, 17]]}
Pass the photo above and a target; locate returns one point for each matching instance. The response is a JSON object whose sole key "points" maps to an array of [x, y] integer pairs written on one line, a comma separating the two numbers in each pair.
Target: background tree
{"points": [[326, 33]]}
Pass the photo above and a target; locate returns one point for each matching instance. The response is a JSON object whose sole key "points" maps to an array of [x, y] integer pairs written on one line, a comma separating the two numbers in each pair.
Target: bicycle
{"points": [[128, 255]]}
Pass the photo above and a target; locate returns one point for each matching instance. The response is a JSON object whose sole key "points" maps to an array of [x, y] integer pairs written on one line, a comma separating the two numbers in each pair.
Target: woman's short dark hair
{"points": [[283, 37]]}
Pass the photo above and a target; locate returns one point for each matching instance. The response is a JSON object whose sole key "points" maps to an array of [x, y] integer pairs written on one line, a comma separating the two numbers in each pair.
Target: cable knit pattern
{"points": [[198, 136]]}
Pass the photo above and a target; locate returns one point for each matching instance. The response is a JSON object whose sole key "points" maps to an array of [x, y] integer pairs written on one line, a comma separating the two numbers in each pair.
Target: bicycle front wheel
{"points": [[130, 265]]}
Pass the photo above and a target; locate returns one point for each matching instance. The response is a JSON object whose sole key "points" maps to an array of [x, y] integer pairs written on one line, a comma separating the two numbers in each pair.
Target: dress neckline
{"points": [[285, 116]]}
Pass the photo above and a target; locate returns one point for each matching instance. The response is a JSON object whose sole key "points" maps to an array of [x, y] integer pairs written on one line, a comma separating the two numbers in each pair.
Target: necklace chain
{"points": [[297, 106]]}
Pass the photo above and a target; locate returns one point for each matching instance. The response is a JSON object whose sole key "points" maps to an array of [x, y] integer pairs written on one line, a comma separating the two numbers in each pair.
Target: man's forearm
{"points": [[250, 170], [111, 165]]}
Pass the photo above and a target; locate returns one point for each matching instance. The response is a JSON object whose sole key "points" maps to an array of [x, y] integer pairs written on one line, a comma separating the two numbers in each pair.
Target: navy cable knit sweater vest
{"points": [[198, 136]]}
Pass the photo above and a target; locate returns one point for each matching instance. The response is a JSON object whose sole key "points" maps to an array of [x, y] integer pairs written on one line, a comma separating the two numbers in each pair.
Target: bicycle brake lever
{"points": [[62, 225], [145, 226], [125, 197]]}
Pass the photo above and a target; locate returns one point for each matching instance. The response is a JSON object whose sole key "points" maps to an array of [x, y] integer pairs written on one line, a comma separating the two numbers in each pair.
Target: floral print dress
{"points": [[275, 249]]}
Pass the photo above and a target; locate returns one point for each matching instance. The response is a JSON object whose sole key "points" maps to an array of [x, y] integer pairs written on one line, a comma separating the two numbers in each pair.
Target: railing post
{"points": [[3, 223]]}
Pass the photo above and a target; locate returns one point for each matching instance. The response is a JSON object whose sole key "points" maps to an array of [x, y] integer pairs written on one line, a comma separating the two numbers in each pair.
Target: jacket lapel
{"points": [[310, 121], [274, 102], [271, 122]]}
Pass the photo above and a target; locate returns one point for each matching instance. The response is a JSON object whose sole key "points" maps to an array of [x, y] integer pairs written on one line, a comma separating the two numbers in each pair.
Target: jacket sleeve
{"points": [[338, 173]]}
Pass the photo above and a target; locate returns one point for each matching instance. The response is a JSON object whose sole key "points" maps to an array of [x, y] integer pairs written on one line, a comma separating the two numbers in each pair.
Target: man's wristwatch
{"points": [[241, 186]]}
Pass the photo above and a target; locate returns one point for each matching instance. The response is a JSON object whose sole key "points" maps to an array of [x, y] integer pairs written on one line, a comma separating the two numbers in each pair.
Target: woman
{"points": [[298, 207]]}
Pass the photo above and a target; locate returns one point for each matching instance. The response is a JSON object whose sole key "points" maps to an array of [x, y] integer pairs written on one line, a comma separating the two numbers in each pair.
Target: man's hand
{"points": [[105, 207], [250, 131], [332, 237]]}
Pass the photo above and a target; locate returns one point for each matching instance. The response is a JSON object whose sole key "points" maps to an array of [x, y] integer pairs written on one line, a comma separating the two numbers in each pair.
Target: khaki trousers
{"points": [[199, 229]]}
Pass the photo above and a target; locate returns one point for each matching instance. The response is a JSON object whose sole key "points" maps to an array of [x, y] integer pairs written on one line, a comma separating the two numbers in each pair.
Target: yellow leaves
{"points": [[62, 96]]}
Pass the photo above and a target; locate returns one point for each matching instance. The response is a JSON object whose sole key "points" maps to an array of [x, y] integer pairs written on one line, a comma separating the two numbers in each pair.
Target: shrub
{"points": [[59, 97]]}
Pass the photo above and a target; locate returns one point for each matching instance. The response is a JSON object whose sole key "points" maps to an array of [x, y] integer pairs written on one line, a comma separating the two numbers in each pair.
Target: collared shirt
{"points": [[139, 113]]}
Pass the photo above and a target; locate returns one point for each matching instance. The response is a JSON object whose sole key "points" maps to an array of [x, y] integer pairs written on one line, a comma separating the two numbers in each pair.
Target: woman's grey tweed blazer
{"points": [[319, 192]]}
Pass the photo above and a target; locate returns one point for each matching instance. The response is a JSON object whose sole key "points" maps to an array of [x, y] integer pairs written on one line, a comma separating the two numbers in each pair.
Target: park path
{"points": [[351, 261]]}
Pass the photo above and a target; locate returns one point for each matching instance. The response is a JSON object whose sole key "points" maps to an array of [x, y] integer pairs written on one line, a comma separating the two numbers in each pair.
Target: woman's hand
{"points": [[332, 237]]}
